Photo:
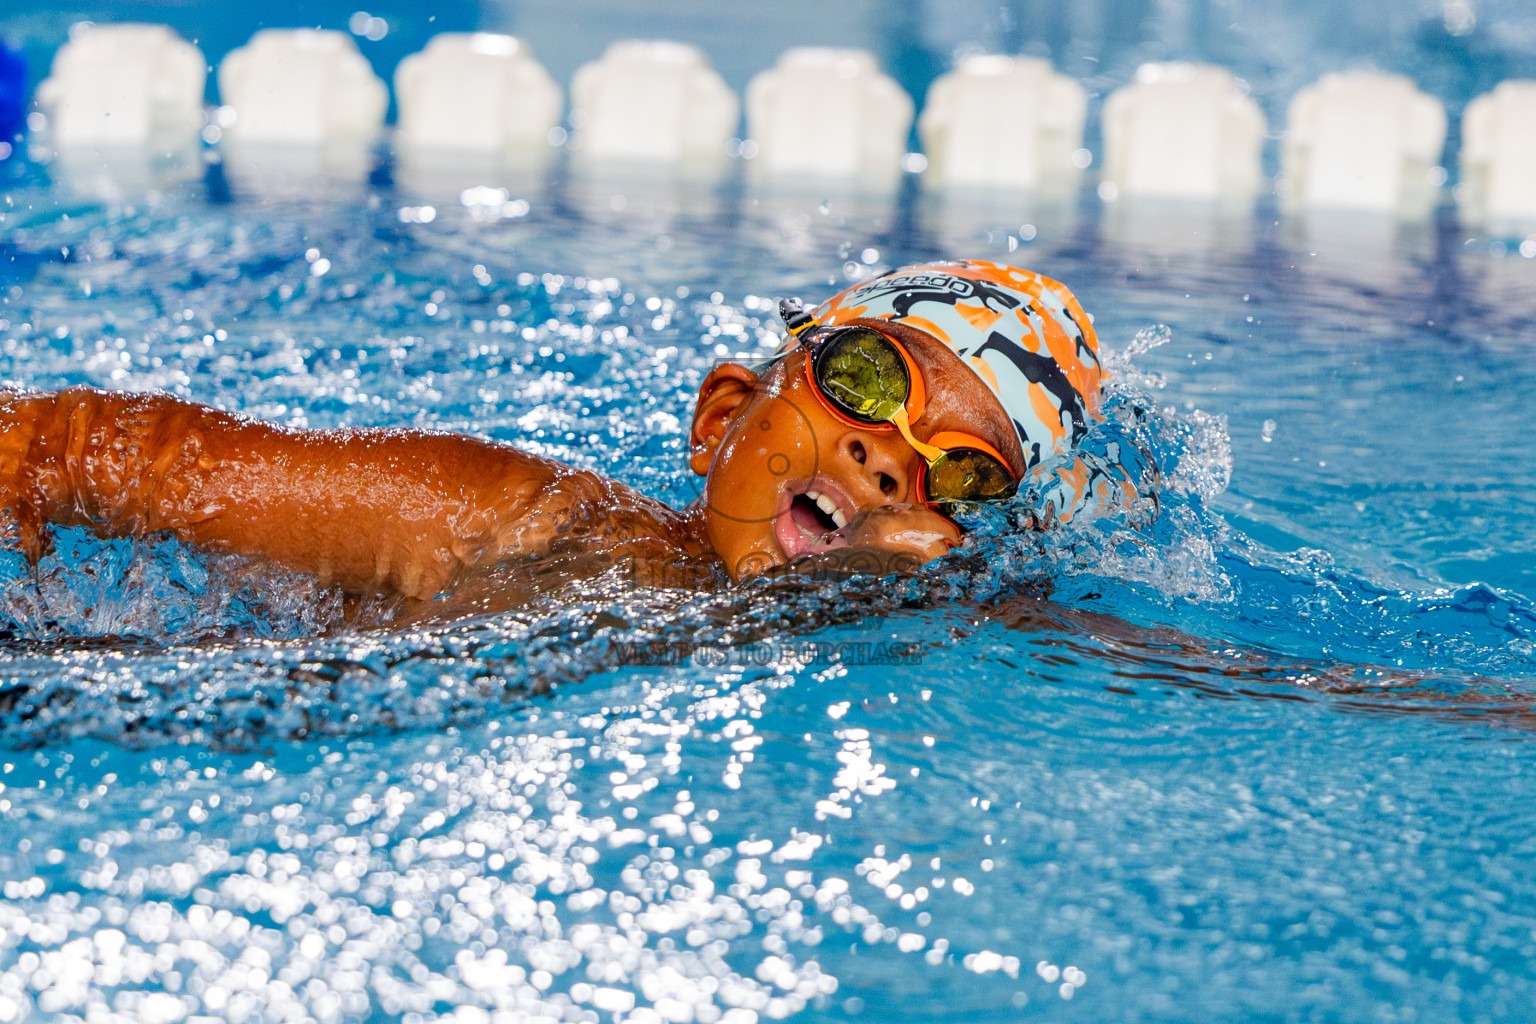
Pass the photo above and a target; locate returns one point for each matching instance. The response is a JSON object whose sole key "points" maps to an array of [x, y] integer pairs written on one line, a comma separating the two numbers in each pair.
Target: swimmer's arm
{"points": [[1149, 660], [371, 510]]}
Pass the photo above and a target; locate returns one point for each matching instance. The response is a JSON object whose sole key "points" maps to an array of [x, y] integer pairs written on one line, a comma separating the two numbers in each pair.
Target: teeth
{"points": [[828, 506]]}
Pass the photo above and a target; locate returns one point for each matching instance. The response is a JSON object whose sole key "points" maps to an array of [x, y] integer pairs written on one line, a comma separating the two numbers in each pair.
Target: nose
{"points": [[883, 461]]}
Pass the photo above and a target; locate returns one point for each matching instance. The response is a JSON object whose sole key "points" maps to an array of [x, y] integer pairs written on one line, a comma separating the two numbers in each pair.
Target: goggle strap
{"points": [[797, 316], [927, 451]]}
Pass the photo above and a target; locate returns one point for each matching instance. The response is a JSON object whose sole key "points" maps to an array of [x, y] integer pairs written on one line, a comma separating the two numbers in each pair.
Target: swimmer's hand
{"points": [[909, 530]]}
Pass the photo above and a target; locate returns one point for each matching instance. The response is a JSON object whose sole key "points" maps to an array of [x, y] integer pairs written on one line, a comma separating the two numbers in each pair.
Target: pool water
{"points": [[1261, 759]]}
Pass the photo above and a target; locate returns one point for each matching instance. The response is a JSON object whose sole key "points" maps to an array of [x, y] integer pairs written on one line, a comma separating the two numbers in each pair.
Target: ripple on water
{"points": [[1122, 762]]}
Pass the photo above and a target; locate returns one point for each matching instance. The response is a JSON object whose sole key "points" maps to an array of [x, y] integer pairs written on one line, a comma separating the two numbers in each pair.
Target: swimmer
{"points": [[888, 404]]}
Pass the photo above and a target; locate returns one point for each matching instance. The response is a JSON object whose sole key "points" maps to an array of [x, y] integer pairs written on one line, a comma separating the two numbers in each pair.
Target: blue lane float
{"points": [[13, 98]]}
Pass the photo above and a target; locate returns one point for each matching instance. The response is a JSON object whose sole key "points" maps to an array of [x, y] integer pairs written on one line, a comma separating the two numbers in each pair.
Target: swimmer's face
{"points": [[786, 479]]}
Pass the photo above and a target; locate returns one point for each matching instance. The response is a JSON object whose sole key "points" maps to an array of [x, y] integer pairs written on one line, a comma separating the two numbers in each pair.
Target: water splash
{"points": [[159, 591], [235, 653], [1166, 537], [1144, 341], [246, 659], [1042, 782]]}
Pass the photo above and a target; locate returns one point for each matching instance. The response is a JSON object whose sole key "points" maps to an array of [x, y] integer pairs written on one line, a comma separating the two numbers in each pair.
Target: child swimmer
{"points": [[931, 384]]}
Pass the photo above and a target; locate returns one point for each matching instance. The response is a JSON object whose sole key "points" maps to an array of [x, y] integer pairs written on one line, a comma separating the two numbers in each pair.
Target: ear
{"points": [[722, 395]]}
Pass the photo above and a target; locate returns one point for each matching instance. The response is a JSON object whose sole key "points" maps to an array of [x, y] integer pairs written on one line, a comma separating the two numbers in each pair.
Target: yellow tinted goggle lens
{"points": [[965, 474], [863, 374]]}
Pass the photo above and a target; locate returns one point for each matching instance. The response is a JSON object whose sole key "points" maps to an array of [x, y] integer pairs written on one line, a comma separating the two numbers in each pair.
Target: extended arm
{"points": [[370, 510], [1151, 659]]}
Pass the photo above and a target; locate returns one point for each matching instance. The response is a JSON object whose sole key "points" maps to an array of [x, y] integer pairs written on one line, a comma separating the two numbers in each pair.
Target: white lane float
{"points": [[823, 112], [1003, 122], [652, 101], [301, 86], [1182, 131], [123, 84], [123, 105], [475, 91], [1498, 158], [1363, 140], [478, 115], [301, 107]]}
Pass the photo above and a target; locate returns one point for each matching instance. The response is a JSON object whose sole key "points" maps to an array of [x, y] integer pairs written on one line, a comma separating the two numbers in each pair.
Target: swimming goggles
{"points": [[866, 378]]}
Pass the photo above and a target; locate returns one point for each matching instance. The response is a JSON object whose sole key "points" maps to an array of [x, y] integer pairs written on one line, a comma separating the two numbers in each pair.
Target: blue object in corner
{"points": [[13, 93]]}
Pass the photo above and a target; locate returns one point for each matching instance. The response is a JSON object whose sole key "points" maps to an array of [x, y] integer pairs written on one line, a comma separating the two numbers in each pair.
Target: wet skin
{"points": [[417, 514], [763, 444]]}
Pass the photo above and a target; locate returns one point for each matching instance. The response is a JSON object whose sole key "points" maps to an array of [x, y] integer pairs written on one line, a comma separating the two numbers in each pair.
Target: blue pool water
{"points": [[1263, 759]]}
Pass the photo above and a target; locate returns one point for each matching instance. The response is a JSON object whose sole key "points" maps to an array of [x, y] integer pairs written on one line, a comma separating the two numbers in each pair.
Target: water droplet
{"points": [[1149, 338]]}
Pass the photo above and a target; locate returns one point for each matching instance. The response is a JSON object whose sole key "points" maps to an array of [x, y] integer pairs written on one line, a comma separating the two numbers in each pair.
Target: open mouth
{"points": [[812, 522]]}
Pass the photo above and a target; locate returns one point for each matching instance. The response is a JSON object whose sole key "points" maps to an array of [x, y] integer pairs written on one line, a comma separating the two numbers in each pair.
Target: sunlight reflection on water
{"points": [[1043, 769]]}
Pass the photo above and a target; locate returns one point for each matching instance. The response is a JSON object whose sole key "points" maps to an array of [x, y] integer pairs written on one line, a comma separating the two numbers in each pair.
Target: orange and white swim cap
{"points": [[1031, 344], [1024, 335]]}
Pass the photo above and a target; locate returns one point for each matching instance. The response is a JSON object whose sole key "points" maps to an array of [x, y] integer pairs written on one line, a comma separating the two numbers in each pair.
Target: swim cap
{"points": [[1024, 335], [1028, 340]]}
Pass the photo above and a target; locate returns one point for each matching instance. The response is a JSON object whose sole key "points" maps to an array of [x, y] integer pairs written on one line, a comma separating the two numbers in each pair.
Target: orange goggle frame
{"points": [[937, 449]]}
